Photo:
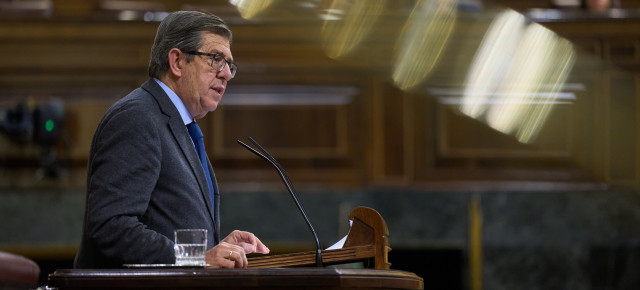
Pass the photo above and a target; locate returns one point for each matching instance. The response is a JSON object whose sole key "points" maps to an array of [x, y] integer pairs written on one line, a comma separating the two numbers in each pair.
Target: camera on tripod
{"points": [[28, 123]]}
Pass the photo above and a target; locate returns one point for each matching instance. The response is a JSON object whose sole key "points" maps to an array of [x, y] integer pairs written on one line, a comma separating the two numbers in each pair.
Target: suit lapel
{"points": [[181, 136], [216, 195]]}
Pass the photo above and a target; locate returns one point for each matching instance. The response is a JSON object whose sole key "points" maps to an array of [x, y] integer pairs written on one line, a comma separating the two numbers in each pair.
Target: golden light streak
{"points": [[559, 64], [250, 8], [422, 40], [516, 76], [533, 63], [491, 62], [357, 20], [521, 78]]}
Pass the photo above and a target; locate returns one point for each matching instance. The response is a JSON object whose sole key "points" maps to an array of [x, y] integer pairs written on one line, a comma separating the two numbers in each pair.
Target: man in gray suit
{"points": [[145, 177]]}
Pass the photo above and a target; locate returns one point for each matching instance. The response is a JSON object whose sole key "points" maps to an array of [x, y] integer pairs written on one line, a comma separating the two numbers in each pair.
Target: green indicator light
{"points": [[49, 125]]}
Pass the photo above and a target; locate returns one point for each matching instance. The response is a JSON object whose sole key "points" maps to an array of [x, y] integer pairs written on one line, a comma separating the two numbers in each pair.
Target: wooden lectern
{"points": [[367, 241], [235, 279]]}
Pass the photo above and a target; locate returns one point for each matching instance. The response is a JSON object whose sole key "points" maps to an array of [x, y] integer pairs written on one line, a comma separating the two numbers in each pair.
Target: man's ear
{"points": [[176, 62]]}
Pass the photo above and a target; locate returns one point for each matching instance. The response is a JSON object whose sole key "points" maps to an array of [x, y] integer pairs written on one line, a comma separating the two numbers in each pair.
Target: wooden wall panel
{"points": [[288, 131], [464, 137], [368, 131], [622, 149], [393, 134]]}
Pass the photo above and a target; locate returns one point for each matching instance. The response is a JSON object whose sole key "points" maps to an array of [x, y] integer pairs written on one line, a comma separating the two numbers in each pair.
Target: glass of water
{"points": [[190, 246]]}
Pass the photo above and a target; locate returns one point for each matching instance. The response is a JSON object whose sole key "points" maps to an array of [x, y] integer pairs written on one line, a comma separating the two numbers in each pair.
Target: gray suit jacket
{"points": [[144, 181]]}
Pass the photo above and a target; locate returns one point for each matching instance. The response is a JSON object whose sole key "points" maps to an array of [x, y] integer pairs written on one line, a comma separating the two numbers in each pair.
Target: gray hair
{"points": [[182, 30]]}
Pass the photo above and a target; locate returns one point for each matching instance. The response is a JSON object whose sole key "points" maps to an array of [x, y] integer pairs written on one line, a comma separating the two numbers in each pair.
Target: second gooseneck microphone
{"points": [[285, 178]]}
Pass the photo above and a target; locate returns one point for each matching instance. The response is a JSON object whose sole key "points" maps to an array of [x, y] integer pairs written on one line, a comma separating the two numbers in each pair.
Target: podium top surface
{"points": [[199, 278]]}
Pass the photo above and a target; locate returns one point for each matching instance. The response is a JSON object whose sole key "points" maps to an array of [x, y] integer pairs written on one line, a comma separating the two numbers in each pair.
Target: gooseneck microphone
{"points": [[285, 178]]}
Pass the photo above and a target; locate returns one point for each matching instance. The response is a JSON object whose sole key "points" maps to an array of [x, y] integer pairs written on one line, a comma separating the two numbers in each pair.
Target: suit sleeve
{"points": [[122, 175]]}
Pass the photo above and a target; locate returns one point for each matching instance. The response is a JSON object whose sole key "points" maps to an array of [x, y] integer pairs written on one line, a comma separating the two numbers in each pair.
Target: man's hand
{"points": [[248, 241], [232, 250]]}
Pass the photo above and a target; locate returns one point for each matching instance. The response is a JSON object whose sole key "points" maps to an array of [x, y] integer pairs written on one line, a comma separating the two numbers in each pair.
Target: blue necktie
{"points": [[196, 136]]}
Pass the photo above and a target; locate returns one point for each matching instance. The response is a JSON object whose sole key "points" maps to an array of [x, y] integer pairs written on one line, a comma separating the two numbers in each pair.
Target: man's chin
{"points": [[210, 108]]}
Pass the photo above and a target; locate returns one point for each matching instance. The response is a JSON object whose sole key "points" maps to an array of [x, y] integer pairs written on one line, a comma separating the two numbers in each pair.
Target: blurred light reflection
{"points": [[517, 76], [513, 82], [250, 8], [422, 40], [491, 62], [347, 23]]}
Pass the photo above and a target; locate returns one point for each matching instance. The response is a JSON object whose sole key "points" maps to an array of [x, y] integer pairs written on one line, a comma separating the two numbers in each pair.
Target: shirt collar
{"points": [[182, 109]]}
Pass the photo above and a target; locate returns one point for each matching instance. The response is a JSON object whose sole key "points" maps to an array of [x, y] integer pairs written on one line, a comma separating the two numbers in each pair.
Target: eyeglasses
{"points": [[218, 62]]}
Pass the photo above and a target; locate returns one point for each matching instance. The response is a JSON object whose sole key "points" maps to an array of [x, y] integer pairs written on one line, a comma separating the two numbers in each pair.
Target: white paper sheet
{"points": [[339, 244]]}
